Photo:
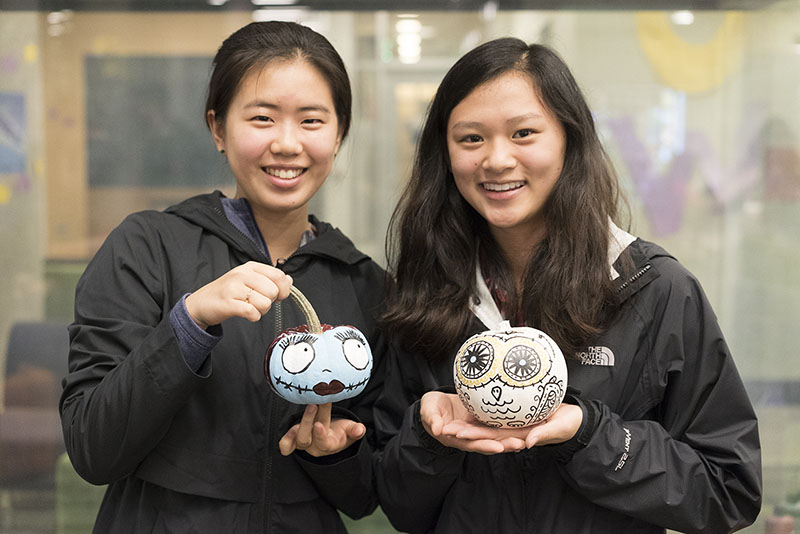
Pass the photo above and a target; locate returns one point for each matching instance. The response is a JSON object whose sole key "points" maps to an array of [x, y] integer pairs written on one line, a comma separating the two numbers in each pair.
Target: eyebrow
{"points": [[513, 120], [268, 105]]}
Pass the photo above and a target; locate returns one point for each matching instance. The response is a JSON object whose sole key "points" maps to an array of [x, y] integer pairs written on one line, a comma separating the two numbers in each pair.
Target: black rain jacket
{"points": [[198, 452], [675, 442]]}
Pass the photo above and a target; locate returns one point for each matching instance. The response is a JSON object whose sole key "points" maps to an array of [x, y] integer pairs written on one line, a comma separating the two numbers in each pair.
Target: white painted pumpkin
{"points": [[510, 377]]}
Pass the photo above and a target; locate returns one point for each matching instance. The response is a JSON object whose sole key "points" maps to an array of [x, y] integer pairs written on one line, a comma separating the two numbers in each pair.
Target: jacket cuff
{"points": [[591, 418], [331, 459]]}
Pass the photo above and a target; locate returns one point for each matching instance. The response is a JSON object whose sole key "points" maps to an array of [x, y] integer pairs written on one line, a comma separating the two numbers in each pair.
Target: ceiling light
{"points": [[682, 18], [265, 3], [290, 15], [408, 26]]}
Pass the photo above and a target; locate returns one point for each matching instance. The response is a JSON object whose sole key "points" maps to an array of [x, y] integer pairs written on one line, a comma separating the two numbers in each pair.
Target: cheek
{"points": [[321, 147], [464, 168], [249, 144]]}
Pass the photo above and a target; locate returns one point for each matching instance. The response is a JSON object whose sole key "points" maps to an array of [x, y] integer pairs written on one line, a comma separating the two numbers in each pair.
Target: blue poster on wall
{"points": [[12, 133]]}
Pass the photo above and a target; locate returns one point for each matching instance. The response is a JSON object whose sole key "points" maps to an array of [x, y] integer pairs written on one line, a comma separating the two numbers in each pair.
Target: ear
{"points": [[338, 143], [217, 129]]}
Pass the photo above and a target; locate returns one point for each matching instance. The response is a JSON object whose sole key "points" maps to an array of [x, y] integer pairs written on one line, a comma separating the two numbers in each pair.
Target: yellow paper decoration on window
{"points": [[691, 67]]}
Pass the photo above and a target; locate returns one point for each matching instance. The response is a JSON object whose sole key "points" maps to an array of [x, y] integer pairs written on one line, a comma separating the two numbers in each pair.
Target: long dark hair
{"points": [[431, 243], [258, 43]]}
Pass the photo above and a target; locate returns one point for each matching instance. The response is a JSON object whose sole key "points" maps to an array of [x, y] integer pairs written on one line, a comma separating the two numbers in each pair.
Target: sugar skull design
{"points": [[510, 377], [317, 363]]}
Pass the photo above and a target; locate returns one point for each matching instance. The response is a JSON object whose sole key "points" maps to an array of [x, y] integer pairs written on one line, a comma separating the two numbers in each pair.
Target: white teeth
{"points": [[503, 187], [284, 174]]}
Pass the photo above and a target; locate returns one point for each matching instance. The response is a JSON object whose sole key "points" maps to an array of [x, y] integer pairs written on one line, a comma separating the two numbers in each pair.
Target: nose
{"points": [[499, 158], [286, 141]]}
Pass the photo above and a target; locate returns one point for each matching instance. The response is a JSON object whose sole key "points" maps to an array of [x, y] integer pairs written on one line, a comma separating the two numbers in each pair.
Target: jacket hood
{"points": [[207, 212]]}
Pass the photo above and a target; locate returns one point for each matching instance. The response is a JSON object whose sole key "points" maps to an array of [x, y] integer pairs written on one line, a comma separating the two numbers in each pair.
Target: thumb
{"points": [[287, 442], [355, 430]]}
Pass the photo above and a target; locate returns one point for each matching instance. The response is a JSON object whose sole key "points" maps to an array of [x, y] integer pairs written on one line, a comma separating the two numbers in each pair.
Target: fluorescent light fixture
{"points": [[59, 17], [290, 15], [265, 3], [216, 2], [489, 10], [408, 26], [682, 18]]}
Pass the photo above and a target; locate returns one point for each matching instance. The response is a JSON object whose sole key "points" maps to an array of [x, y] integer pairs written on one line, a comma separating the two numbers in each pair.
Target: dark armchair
{"points": [[30, 429]]}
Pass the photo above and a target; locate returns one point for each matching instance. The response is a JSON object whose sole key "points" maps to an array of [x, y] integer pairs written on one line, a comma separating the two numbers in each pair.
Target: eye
{"points": [[521, 363], [471, 138], [354, 349], [477, 359], [356, 353], [261, 118], [525, 132], [297, 356]]}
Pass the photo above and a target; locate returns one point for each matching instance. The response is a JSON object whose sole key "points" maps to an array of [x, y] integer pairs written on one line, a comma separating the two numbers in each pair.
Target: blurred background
{"points": [[101, 114]]}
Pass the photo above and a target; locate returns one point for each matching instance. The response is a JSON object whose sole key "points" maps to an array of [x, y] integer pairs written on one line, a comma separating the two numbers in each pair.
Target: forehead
{"points": [[512, 93], [293, 79]]}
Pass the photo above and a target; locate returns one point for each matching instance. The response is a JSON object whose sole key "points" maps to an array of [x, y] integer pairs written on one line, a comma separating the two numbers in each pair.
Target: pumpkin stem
{"points": [[305, 306]]}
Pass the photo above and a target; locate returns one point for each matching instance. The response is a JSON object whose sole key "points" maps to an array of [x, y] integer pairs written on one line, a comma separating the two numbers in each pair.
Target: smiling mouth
{"points": [[502, 187], [284, 174]]}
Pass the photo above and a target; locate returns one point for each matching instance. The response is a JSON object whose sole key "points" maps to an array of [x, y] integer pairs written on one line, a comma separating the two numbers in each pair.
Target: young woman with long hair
{"points": [[512, 213]]}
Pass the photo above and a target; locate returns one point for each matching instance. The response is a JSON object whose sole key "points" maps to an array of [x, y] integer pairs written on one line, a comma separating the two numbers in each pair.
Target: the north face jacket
{"points": [[674, 443], [198, 452]]}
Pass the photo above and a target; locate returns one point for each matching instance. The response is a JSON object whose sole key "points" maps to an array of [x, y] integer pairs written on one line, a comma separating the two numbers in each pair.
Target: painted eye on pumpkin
{"points": [[298, 353], [521, 363], [477, 360], [354, 349]]}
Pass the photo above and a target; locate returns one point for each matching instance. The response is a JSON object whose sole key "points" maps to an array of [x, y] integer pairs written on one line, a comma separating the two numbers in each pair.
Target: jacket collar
{"points": [[206, 211], [484, 307]]}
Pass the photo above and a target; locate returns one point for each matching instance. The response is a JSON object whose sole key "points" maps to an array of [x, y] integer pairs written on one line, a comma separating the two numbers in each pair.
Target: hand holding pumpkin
{"points": [[561, 426], [318, 435], [247, 291], [441, 413]]}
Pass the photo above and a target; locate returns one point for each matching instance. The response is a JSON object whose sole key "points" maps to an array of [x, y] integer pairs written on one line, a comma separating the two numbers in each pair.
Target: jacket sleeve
{"points": [[693, 463], [414, 472], [344, 479], [126, 377]]}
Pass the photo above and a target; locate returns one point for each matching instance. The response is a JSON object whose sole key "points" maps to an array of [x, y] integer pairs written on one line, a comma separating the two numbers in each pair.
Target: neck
{"points": [[282, 232], [516, 247]]}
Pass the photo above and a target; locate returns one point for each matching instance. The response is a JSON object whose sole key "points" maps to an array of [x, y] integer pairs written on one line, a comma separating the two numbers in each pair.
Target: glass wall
{"points": [[101, 114]]}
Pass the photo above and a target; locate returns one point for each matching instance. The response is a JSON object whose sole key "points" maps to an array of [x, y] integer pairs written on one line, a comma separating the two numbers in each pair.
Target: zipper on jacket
{"points": [[222, 213], [269, 479], [267, 476], [633, 278]]}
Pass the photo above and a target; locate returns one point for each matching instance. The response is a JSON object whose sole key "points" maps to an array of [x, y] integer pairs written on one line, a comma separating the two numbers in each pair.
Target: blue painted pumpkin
{"points": [[318, 363]]}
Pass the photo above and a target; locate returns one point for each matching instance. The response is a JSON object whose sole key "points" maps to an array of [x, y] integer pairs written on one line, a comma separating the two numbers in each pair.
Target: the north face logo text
{"points": [[597, 356]]}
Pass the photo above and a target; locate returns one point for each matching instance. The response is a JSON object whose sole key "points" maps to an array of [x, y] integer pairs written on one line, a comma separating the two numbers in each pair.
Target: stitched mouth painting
{"points": [[317, 363], [510, 377]]}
